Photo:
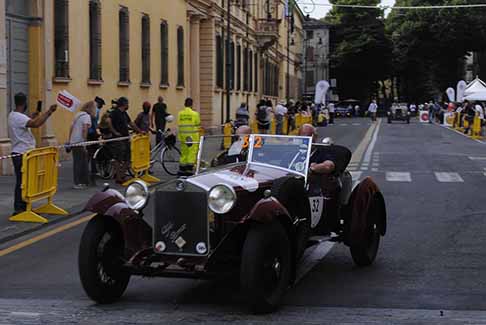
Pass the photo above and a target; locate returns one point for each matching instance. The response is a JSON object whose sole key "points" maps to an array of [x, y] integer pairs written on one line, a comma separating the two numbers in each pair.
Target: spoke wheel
{"points": [[265, 266], [105, 169], [364, 254], [101, 261], [170, 160]]}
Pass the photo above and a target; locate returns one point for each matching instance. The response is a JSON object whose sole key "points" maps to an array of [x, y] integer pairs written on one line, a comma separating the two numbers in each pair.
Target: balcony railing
{"points": [[267, 32]]}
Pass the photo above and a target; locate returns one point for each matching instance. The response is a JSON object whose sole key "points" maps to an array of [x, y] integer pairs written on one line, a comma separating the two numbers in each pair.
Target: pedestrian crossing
{"points": [[408, 177]]}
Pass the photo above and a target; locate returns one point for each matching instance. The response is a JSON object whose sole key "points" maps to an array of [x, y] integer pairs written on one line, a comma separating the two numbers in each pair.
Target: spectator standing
{"points": [[19, 125], [189, 122], [263, 116], [158, 118], [291, 111], [430, 108], [77, 134], [372, 109], [280, 112], [143, 118], [332, 111], [120, 121], [242, 115], [93, 136], [356, 110], [470, 113]]}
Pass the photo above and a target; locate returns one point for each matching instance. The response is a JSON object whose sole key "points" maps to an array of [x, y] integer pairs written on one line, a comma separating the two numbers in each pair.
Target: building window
{"points": [[145, 49], [231, 62], [95, 40], [310, 53], [238, 67], [124, 39], [61, 38], [245, 69], [256, 72], [309, 79], [180, 56], [310, 34], [164, 53], [250, 70], [271, 79], [219, 62]]}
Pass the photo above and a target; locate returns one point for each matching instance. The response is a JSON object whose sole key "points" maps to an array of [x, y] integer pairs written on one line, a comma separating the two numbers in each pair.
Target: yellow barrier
{"points": [[457, 120], [285, 125], [140, 159], [476, 128], [228, 132], [39, 181]]}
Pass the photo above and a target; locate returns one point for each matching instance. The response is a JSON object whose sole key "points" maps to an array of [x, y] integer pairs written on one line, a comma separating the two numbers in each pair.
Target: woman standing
{"points": [[78, 134]]}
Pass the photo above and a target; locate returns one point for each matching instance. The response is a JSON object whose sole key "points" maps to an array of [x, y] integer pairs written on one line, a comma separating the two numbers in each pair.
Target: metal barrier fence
{"points": [[39, 181]]}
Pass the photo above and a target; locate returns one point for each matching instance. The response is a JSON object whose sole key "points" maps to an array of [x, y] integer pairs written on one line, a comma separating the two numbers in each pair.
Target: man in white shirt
{"points": [[19, 125], [479, 109], [332, 110], [280, 111], [372, 109]]}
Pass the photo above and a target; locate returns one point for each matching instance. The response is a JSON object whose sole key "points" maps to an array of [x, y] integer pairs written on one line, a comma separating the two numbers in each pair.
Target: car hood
{"points": [[249, 177]]}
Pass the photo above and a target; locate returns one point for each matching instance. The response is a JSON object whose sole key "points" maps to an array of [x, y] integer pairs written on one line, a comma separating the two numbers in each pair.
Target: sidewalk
{"points": [[66, 197]]}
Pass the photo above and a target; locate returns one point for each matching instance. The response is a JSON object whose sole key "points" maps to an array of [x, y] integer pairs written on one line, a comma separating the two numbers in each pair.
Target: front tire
{"points": [[170, 160], [265, 266], [100, 261]]}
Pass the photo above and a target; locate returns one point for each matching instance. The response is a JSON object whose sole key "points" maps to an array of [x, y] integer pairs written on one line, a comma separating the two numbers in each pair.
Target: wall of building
{"points": [[109, 88]]}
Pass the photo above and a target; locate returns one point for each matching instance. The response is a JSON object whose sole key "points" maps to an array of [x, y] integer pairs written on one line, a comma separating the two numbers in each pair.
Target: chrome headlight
{"points": [[137, 195], [221, 198]]}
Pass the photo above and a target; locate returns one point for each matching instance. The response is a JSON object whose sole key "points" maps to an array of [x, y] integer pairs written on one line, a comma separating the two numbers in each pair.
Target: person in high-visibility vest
{"points": [[189, 124]]}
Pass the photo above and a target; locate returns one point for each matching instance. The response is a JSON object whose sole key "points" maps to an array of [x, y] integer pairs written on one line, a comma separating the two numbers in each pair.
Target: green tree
{"points": [[430, 45], [361, 51]]}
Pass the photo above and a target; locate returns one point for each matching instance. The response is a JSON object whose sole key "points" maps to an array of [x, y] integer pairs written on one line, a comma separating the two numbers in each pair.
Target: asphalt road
{"points": [[429, 268]]}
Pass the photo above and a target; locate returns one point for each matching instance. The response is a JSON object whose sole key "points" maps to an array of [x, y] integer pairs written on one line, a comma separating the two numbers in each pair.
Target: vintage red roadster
{"points": [[252, 216]]}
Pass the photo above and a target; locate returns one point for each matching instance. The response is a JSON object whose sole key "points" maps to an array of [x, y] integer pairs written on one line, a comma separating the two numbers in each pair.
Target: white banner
{"points": [[461, 87], [424, 117], [68, 101], [451, 93], [321, 90]]}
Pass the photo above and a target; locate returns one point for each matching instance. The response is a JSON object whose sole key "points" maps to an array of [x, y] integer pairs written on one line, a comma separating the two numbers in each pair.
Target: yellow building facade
{"points": [[142, 49]]}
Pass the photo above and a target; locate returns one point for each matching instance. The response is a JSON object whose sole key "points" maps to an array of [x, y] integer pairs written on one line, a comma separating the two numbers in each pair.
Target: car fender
{"points": [[111, 204], [268, 210], [365, 196]]}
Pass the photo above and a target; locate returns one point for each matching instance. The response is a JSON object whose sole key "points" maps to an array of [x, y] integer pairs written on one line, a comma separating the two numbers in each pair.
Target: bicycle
{"points": [[166, 153]]}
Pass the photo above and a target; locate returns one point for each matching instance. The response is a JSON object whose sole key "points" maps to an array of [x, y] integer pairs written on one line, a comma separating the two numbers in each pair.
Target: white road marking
{"points": [[356, 175], [24, 314], [343, 124], [356, 124], [398, 177], [369, 151], [445, 177], [477, 158], [312, 256], [364, 168], [375, 165], [374, 169]]}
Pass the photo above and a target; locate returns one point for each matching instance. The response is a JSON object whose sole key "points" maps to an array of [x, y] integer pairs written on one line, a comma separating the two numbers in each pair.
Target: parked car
{"points": [[253, 216], [398, 112]]}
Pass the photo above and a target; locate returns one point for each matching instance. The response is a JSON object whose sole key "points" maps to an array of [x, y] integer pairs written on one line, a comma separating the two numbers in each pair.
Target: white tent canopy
{"points": [[476, 90]]}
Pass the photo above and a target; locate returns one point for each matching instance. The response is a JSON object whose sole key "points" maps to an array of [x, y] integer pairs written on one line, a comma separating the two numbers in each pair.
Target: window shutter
{"points": [[250, 71], [164, 43], [145, 49], [61, 38], [220, 62], [180, 56], [95, 39], [124, 39], [238, 67]]}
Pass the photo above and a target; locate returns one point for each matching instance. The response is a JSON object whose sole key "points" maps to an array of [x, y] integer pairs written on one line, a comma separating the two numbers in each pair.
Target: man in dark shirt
{"points": [[157, 118], [121, 122]]}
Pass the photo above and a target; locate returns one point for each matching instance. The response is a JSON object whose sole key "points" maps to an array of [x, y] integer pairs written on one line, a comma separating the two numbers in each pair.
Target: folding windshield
{"points": [[216, 151], [286, 152]]}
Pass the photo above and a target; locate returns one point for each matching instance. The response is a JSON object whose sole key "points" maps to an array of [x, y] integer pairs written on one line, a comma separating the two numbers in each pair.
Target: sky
{"points": [[320, 11]]}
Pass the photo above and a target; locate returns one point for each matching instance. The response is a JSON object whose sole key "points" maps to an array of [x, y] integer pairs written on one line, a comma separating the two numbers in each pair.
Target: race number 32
{"points": [[258, 142]]}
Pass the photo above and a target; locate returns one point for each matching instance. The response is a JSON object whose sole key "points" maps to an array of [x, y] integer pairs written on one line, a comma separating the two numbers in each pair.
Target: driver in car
{"points": [[327, 163], [236, 152]]}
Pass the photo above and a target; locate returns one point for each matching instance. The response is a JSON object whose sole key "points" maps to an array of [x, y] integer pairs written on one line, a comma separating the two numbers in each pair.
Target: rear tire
{"points": [[265, 266], [105, 169], [100, 261], [170, 160]]}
